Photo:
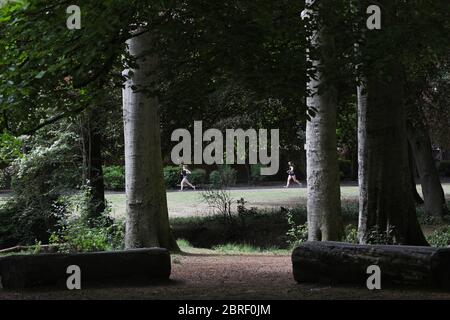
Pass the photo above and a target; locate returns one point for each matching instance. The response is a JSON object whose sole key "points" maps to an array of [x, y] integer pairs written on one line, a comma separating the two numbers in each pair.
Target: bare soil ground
{"points": [[228, 277]]}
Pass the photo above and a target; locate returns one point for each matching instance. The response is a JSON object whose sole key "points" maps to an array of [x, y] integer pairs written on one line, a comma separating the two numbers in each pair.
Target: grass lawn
{"points": [[189, 203]]}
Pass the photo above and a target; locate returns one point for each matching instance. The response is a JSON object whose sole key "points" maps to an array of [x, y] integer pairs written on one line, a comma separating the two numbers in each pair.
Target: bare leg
{"points": [[295, 180], [288, 182], [188, 183]]}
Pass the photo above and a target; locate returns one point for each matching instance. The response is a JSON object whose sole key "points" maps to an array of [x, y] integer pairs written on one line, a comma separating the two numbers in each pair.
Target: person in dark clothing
{"points": [[291, 175]]}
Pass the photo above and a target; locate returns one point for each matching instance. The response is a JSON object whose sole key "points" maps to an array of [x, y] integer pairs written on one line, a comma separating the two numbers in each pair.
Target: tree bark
{"points": [[93, 162], [412, 169], [147, 223], [433, 194], [323, 181], [386, 200]]}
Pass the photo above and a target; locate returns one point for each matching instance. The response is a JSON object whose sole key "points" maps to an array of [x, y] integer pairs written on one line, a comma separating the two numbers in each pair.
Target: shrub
{"points": [[297, 233], [223, 177], [444, 168], [114, 177], [77, 236], [219, 201], [198, 176], [172, 176], [40, 177], [439, 238], [351, 234]]}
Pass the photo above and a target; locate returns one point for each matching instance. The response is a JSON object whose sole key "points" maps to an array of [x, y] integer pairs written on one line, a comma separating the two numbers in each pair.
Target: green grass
{"points": [[190, 203], [231, 249], [237, 248]]}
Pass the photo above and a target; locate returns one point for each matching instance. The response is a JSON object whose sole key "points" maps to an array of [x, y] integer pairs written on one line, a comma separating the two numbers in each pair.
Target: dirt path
{"points": [[228, 277]]}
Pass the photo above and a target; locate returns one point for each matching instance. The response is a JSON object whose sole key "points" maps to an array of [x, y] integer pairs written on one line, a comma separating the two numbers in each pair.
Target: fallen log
{"points": [[336, 262], [96, 267]]}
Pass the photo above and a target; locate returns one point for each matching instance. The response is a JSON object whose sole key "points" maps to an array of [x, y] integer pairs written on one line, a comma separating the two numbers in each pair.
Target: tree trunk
{"points": [[147, 223], [93, 163], [386, 200], [323, 183], [432, 191], [412, 169]]}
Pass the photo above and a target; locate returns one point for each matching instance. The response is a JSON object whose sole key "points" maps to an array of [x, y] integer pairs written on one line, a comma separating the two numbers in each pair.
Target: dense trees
{"points": [[217, 60]]}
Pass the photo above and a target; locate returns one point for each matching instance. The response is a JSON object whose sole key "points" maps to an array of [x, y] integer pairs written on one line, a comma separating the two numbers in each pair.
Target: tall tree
{"points": [[323, 179], [147, 222], [386, 200]]}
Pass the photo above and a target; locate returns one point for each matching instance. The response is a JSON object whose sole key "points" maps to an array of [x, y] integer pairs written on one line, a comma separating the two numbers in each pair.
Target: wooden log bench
{"points": [[336, 262], [50, 269]]}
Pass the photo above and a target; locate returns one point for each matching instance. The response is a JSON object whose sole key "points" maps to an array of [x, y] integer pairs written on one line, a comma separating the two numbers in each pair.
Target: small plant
{"points": [[378, 236], [439, 238], [351, 234], [220, 201], [243, 212], [297, 233]]}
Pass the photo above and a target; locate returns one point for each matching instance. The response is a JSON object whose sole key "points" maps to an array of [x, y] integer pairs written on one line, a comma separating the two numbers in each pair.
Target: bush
{"points": [[172, 176], [40, 177], [345, 168], [439, 238], [79, 232], [114, 177], [198, 176], [224, 177], [444, 168], [77, 236], [297, 233]]}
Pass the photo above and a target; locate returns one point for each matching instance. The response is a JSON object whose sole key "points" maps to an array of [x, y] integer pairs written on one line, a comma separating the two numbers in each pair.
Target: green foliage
{"points": [[439, 238], [351, 234], [40, 177], [224, 177], [77, 232], [77, 236], [198, 176], [172, 176], [297, 233], [114, 177], [10, 148], [444, 168]]}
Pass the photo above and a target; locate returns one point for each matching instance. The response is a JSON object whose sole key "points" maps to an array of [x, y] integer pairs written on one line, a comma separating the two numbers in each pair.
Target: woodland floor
{"points": [[196, 276]]}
